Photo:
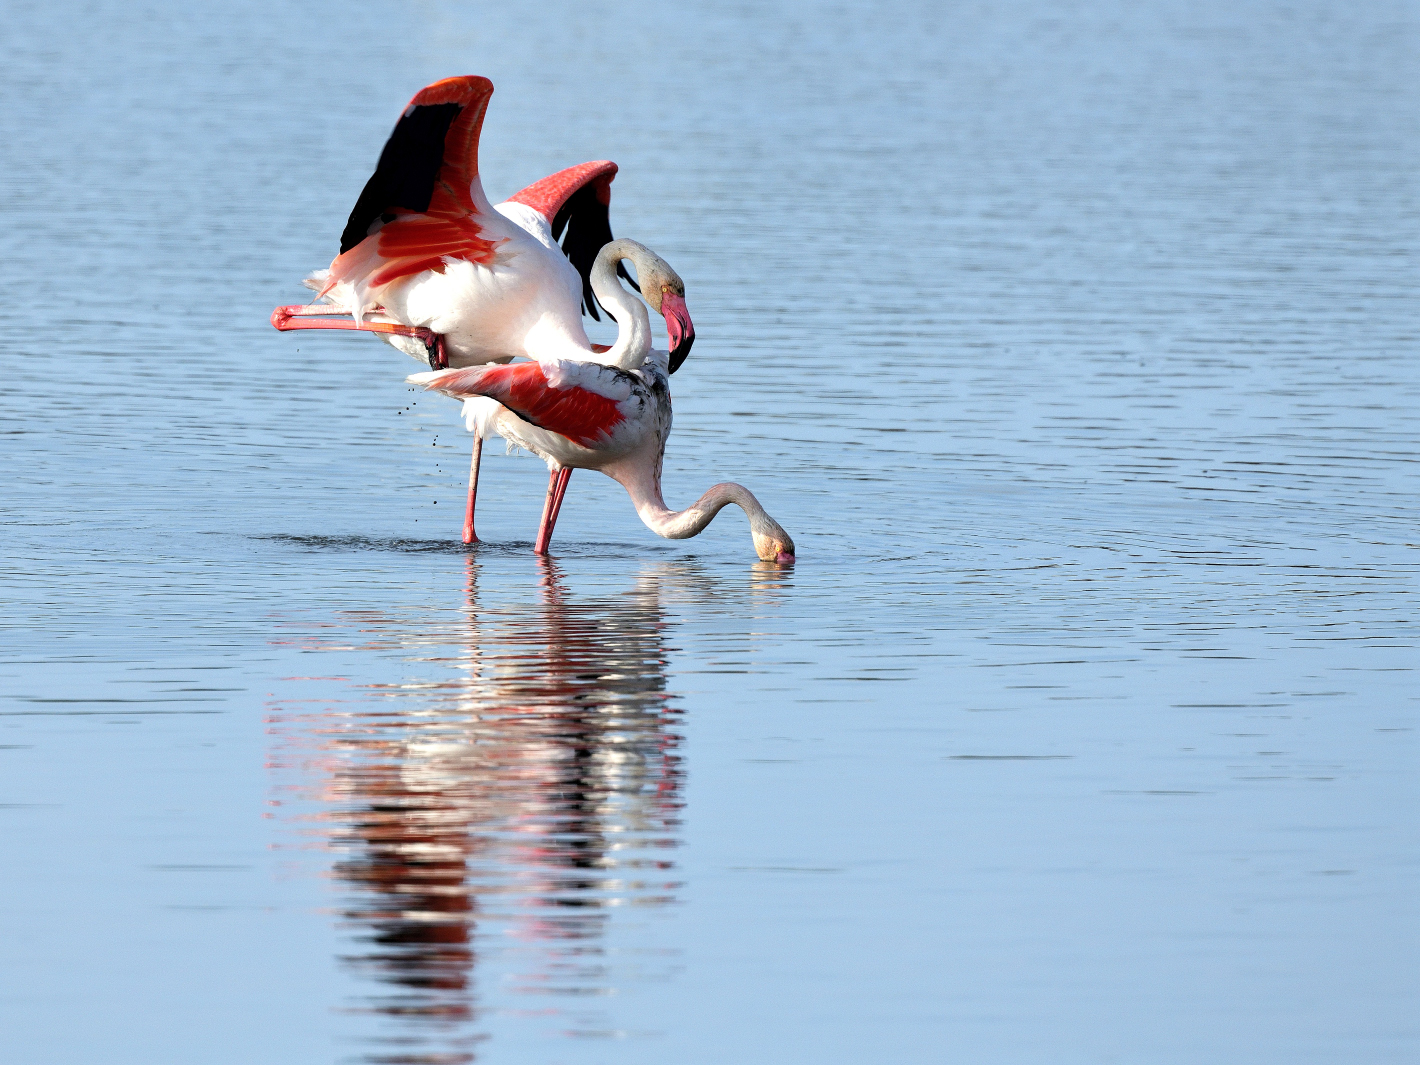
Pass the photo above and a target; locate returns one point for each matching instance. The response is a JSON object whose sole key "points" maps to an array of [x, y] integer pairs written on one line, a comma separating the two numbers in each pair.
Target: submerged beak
{"points": [[680, 330]]}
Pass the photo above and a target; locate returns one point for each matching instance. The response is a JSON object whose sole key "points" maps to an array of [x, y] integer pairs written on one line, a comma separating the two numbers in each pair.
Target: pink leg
{"points": [[556, 488], [469, 536], [562, 479], [543, 534], [308, 317]]}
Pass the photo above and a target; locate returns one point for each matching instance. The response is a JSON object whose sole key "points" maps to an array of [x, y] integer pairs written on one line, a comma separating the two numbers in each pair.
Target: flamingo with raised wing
{"points": [[430, 265], [612, 415]]}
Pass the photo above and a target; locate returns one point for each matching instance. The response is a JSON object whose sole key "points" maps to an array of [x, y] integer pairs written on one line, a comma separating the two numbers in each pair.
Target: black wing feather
{"points": [[588, 224], [406, 171]]}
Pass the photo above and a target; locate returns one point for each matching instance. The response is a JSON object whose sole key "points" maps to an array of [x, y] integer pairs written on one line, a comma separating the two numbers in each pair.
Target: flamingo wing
{"points": [[583, 401], [424, 202], [578, 201]]}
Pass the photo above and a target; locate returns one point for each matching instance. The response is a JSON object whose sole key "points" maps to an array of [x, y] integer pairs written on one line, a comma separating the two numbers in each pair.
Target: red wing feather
{"points": [[547, 196], [579, 414], [418, 207], [471, 94]]}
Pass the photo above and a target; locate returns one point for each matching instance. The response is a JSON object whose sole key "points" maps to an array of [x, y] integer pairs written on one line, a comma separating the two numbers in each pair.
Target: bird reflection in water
{"points": [[506, 810]]}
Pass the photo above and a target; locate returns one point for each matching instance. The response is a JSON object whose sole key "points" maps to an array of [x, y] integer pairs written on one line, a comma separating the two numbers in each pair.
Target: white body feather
{"points": [[527, 302]]}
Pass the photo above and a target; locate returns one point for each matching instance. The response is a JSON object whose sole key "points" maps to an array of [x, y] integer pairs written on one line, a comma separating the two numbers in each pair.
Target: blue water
{"points": [[1075, 345]]}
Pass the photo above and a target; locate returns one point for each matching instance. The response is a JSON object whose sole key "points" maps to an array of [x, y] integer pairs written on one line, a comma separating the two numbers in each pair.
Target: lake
{"points": [[1074, 344]]}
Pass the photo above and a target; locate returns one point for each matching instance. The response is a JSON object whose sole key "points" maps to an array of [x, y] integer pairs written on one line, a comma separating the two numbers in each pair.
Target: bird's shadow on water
{"points": [[408, 545]]}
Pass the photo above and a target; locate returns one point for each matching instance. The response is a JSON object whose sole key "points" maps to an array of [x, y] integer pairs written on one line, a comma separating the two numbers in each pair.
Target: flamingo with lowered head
{"points": [[430, 265], [611, 414]]}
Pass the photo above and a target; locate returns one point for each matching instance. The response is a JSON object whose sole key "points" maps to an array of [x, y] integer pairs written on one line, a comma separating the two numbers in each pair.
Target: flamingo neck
{"points": [[642, 482], [633, 325]]}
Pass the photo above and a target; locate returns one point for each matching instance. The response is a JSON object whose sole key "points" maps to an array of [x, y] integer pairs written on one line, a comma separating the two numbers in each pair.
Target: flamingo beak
{"points": [[680, 330]]}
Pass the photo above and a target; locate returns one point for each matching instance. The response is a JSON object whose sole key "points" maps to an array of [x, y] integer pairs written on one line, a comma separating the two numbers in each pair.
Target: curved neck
{"points": [[642, 482], [633, 326], [680, 524]]}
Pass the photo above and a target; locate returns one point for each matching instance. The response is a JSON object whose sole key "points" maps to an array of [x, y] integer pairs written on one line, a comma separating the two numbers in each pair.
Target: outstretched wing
{"points": [[424, 201], [578, 201], [582, 401]]}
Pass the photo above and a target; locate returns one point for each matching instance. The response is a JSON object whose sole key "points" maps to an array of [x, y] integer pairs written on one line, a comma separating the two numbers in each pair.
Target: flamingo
{"points": [[430, 265], [611, 414]]}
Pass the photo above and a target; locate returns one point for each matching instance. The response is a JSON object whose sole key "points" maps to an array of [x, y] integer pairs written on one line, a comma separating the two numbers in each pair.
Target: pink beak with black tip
{"points": [[680, 330]]}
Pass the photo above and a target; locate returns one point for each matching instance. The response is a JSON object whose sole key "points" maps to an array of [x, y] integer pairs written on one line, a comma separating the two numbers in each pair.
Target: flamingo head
{"points": [[665, 292], [771, 542]]}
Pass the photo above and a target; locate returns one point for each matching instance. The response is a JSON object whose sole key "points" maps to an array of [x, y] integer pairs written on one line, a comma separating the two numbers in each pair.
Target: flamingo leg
{"points": [[562, 479], [322, 316], [469, 536], [556, 489], [544, 534]]}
